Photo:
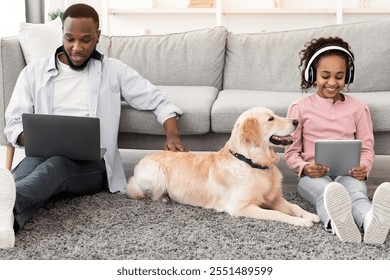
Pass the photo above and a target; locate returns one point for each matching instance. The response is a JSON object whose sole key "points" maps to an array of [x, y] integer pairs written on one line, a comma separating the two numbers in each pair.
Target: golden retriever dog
{"points": [[241, 179]]}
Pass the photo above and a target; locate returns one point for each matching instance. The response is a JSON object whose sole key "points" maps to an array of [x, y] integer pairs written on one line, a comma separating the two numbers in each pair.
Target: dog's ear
{"points": [[250, 131]]}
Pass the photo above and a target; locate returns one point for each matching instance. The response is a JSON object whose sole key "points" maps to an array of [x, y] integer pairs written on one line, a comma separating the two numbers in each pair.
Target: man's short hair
{"points": [[81, 11]]}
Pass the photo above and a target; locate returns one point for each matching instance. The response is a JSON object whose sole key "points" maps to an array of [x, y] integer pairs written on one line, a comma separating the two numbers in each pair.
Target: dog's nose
{"points": [[295, 122]]}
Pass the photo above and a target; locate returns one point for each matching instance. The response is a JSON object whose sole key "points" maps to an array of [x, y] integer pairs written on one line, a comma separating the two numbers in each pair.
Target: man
{"points": [[77, 81]]}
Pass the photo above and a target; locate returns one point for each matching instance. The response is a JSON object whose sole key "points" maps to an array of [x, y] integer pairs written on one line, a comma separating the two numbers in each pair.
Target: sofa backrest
{"points": [[11, 63], [194, 58], [269, 61]]}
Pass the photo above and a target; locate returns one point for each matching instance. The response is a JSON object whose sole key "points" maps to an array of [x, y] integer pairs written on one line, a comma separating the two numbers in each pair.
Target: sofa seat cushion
{"points": [[230, 104], [196, 103], [378, 102]]}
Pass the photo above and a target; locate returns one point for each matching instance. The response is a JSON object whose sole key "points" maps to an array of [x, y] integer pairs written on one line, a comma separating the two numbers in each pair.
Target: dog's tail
{"points": [[149, 180], [133, 191]]}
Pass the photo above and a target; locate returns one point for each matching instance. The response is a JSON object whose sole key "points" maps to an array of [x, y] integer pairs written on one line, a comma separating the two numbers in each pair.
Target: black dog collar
{"points": [[248, 161]]}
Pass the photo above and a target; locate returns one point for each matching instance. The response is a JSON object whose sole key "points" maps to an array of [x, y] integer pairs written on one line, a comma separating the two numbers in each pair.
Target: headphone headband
{"points": [[310, 77]]}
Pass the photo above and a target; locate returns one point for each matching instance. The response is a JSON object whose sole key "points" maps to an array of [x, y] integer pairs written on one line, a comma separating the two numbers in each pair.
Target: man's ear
{"points": [[250, 131], [98, 36]]}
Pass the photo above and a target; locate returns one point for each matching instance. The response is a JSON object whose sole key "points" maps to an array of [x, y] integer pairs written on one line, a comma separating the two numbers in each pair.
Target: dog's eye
{"points": [[271, 119]]}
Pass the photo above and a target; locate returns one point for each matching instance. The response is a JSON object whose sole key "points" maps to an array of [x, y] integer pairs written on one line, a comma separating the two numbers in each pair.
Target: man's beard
{"points": [[78, 67]]}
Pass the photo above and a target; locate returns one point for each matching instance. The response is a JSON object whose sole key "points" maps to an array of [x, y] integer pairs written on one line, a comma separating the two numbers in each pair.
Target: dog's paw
{"points": [[308, 220], [311, 217], [299, 221], [305, 223], [165, 199]]}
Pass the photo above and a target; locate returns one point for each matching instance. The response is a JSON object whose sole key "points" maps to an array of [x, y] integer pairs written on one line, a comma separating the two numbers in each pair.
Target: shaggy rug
{"points": [[109, 226]]}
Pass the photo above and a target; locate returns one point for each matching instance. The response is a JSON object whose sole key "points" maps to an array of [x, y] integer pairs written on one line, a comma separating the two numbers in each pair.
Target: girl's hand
{"points": [[315, 170], [359, 172]]}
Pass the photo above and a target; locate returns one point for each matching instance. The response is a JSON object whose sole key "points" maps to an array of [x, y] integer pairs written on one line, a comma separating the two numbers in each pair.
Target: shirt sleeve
{"points": [[364, 131], [143, 95], [21, 102], [293, 153]]}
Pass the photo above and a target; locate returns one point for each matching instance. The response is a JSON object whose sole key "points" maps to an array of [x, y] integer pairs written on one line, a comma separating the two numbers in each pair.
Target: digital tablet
{"points": [[339, 156]]}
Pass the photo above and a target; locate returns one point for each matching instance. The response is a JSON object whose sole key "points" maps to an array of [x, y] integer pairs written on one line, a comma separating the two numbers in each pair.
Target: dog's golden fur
{"points": [[221, 181]]}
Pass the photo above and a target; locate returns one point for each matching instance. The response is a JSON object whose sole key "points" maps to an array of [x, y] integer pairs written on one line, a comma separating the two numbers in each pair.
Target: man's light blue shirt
{"points": [[109, 79]]}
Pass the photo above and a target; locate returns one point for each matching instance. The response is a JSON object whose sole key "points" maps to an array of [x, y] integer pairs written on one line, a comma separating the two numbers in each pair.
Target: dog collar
{"points": [[248, 161]]}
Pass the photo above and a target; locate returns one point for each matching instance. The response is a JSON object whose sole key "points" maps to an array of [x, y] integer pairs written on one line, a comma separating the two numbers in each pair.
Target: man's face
{"points": [[80, 37]]}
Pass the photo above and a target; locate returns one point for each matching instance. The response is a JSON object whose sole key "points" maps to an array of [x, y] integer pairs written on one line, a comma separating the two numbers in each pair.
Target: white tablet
{"points": [[339, 156]]}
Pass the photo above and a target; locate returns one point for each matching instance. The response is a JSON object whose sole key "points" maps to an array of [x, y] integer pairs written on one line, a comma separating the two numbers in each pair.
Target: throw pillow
{"points": [[38, 40]]}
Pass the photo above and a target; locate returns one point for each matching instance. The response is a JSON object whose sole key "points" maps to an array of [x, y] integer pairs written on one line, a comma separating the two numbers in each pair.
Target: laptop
{"points": [[77, 138], [339, 156]]}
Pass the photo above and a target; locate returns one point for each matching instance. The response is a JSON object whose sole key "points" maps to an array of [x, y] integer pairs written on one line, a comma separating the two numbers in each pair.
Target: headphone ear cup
{"points": [[348, 77], [352, 74], [312, 75]]}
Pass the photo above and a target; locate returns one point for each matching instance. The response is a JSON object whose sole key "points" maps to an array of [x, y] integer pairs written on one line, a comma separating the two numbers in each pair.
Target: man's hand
{"points": [[173, 142], [21, 139]]}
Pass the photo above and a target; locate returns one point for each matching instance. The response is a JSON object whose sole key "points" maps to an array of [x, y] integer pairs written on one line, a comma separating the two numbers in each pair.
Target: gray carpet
{"points": [[113, 227]]}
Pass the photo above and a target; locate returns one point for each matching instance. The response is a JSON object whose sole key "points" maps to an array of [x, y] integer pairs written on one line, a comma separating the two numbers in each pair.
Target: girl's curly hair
{"points": [[312, 47]]}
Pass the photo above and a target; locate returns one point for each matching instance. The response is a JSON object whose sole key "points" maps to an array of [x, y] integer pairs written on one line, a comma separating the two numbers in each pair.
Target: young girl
{"points": [[342, 203]]}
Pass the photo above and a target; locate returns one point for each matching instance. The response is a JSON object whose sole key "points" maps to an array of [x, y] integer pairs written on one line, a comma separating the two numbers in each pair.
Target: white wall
{"points": [[245, 22], [12, 13], [53, 5]]}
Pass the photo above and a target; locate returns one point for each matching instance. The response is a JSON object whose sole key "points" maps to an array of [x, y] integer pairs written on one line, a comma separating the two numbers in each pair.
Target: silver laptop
{"points": [[339, 156], [77, 138]]}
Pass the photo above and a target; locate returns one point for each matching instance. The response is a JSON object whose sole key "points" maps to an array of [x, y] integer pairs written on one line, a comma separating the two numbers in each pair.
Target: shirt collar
{"points": [[53, 60], [328, 100]]}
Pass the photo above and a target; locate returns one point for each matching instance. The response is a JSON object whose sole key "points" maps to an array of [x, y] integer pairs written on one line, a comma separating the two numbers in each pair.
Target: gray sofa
{"points": [[215, 75]]}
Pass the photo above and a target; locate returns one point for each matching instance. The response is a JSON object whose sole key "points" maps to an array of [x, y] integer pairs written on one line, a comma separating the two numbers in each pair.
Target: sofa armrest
{"points": [[12, 63]]}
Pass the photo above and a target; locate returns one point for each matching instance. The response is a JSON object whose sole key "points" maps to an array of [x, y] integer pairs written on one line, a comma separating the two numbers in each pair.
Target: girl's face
{"points": [[331, 72]]}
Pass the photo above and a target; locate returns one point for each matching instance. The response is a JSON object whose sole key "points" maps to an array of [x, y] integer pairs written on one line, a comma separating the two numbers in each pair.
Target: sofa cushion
{"points": [[269, 61], [230, 104], [104, 45], [11, 64], [194, 58], [196, 103], [38, 40], [378, 102]]}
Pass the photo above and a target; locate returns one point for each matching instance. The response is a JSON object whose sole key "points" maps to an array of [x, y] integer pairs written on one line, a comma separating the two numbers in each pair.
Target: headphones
{"points": [[310, 72]]}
